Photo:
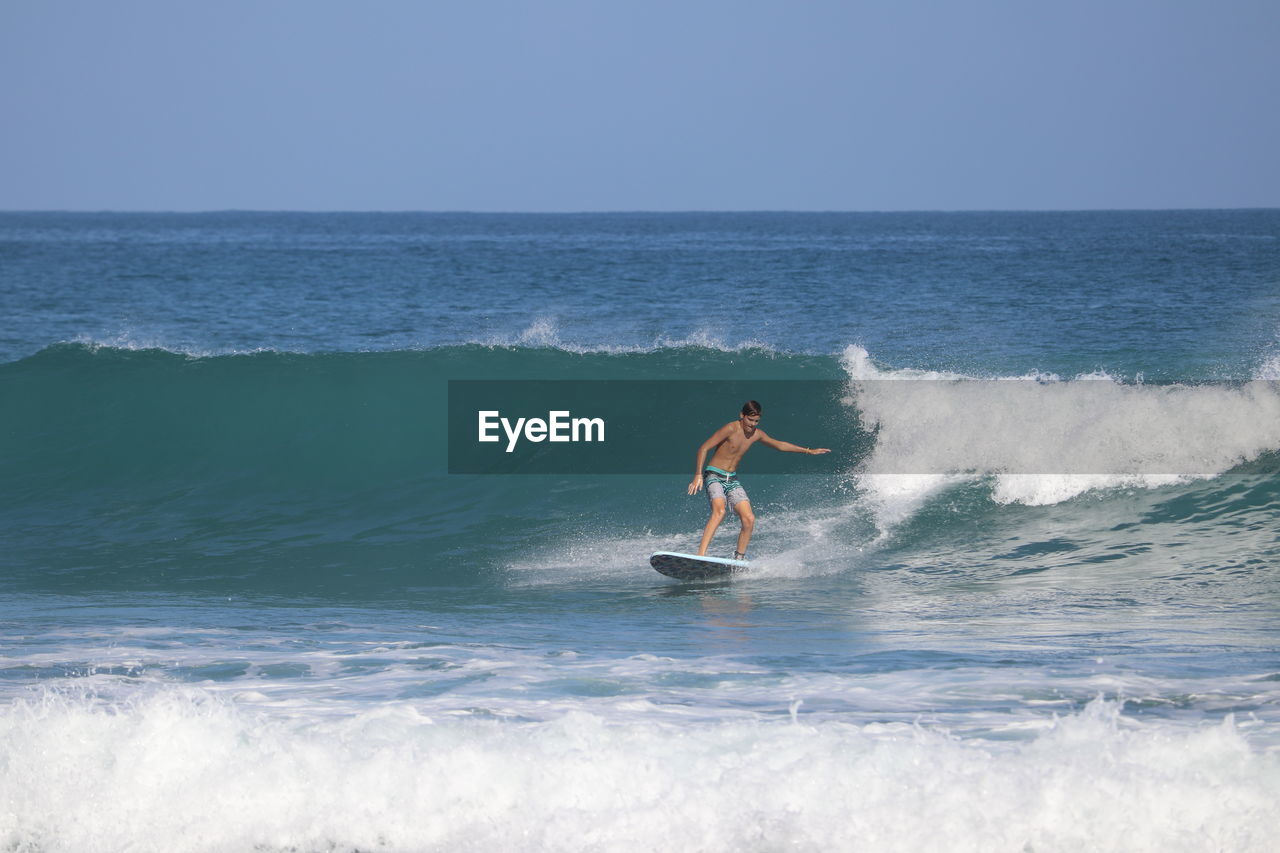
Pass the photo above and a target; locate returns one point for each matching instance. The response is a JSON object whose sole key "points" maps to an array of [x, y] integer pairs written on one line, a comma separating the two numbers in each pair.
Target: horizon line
{"points": [[626, 212]]}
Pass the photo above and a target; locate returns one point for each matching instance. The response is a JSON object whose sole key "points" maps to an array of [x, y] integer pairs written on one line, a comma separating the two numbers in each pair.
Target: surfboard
{"points": [[690, 567]]}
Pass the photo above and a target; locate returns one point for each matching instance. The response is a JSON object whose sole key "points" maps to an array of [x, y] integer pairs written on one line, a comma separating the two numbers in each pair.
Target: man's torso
{"points": [[730, 451]]}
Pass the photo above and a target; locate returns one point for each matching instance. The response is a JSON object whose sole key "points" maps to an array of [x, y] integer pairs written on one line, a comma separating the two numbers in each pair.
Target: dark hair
{"points": [[749, 408]]}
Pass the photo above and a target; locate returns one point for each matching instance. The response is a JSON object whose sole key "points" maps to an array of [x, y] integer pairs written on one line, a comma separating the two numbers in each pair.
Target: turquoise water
{"points": [[246, 607]]}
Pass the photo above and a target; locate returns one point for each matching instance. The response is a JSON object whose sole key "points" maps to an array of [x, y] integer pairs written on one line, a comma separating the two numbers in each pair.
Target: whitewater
{"points": [[1034, 606]]}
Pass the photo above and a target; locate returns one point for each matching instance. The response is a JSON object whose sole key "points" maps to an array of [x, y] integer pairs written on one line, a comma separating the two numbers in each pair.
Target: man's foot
{"points": [[738, 556]]}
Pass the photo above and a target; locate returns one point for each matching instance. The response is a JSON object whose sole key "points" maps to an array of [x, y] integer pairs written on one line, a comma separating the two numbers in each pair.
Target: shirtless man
{"points": [[731, 442]]}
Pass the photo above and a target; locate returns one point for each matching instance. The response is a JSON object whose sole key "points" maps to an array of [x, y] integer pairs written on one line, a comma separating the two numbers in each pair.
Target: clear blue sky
{"points": [[568, 105]]}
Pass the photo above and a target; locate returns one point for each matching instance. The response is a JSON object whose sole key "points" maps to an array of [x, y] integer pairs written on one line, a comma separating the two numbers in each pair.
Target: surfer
{"points": [[720, 476]]}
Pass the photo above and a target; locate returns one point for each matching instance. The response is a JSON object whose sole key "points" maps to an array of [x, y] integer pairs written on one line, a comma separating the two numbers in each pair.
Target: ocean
{"points": [[1031, 601]]}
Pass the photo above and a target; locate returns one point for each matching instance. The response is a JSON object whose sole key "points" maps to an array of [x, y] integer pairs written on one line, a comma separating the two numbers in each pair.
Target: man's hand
{"points": [[817, 451], [696, 485]]}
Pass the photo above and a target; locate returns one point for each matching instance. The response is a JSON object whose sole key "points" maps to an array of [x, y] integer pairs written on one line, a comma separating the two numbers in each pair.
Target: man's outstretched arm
{"points": [[788, 447]]}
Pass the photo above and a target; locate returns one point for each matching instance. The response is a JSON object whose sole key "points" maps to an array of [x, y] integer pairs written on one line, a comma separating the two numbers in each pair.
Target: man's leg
{"points": [[717, 516], [748, 518]]}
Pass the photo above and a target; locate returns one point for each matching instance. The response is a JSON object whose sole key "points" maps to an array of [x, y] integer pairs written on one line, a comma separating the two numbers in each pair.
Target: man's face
{"points": [[749, 423]]}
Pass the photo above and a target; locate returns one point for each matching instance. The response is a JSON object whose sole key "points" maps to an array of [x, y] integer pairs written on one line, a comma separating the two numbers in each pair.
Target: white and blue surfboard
{"points": [[690, 567]]}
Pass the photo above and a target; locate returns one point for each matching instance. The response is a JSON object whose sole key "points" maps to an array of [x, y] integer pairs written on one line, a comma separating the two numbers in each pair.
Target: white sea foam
{"points": [[540, 333], [182, 770], [1269, 370], [134, 341], [1042, 440], [544, 333]]}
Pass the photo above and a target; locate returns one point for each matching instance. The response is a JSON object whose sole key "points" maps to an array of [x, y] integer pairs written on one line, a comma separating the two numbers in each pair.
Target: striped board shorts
{"points": [[723, 485]]}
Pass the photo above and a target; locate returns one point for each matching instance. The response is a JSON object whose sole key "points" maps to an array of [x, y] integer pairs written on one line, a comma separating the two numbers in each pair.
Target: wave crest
{"points": [[1042, 439]]}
